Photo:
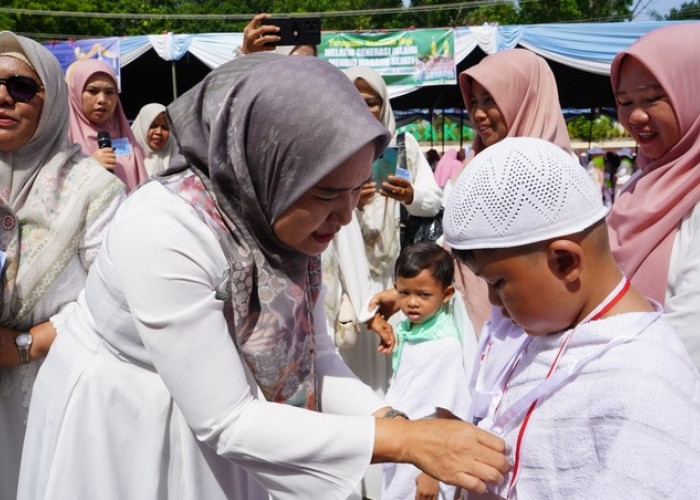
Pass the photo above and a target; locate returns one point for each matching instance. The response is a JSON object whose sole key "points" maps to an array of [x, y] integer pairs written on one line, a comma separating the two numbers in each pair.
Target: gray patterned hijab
{"points": [[260, 132]]}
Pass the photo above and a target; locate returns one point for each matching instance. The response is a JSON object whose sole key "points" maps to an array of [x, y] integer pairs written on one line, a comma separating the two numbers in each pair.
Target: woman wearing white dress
{"points": [[199, 343], [419, 194], [54, 206]]}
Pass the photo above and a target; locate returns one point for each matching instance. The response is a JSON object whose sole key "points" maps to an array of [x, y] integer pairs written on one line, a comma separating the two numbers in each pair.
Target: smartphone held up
{"points": [[295, 30], [386, 165]]}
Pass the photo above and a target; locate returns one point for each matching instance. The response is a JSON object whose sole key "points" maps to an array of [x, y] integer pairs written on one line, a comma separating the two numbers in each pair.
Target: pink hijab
{"points": [[645, 217], [447, 166], [525, 92], [130, 168]]}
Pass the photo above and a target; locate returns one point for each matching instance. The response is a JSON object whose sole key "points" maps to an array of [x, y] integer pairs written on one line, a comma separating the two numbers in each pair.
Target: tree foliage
{"points": [[545, 11], [601, 128], [525, 12], [689, 10]]}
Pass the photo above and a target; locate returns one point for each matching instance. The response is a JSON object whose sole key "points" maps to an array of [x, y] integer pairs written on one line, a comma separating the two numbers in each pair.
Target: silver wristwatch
{"points": [[23, 341]]}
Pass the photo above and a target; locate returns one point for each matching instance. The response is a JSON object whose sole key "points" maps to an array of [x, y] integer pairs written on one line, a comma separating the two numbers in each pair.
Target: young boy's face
{"points": [[422, 296], [525, 289]]}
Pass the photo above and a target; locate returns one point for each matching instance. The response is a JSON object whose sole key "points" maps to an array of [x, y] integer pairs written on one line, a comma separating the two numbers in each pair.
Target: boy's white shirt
{"points": [[593, 420]]}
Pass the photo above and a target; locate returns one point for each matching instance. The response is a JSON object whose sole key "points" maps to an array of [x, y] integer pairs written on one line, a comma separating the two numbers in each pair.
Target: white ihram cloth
{"points": [[627, 426], [104, 419], [431, 375]]}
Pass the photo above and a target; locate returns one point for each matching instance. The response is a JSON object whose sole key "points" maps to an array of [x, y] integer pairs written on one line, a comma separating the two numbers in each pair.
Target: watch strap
{"points": [[23, 350], [395, 413]]}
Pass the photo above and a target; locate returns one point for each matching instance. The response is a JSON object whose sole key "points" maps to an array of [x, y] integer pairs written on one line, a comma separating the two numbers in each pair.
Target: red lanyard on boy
{"points": [[532, 397]]}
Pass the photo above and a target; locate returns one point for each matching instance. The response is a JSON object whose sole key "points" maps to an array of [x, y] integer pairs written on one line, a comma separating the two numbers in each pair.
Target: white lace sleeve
{"points": [[92, 237]]}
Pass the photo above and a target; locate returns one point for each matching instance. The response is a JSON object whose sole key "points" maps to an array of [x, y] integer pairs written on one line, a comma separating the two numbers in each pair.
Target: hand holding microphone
{"points": [[105, 154], [103, 139]]}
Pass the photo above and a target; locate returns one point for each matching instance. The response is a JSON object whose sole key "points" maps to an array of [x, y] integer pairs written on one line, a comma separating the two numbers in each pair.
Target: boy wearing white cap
{"points": [[592, 391]]}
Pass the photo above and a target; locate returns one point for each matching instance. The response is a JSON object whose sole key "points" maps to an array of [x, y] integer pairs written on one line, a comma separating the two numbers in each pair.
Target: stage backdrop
{"points": [[415, 57]]}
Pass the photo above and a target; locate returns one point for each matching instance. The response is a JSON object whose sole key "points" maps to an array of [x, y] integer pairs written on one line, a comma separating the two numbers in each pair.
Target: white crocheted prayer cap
{"points": [[518, 191]]}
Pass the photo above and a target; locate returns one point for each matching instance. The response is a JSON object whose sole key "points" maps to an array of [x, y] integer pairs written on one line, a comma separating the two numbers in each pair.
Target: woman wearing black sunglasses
{"points": [[54, 205]]}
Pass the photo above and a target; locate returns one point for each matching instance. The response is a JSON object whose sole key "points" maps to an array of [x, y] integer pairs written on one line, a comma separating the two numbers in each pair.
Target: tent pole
{"points": [[432, 125], [443, 130], [174, 77]]}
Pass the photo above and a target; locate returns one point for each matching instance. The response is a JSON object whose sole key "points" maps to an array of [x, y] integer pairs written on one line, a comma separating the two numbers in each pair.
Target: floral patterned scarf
{"points": [[256, 146]]}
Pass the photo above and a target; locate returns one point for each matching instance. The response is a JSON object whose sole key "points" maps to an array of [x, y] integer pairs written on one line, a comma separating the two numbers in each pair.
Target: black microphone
{"points": [[103, 140]]}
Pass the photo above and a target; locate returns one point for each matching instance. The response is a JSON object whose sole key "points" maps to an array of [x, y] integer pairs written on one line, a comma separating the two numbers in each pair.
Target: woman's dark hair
{"points": [[418, 257], [433, 157]]}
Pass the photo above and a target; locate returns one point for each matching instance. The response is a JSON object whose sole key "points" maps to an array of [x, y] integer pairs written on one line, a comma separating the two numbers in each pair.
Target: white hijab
{"points": [[155, 161], [379, 218], [377, 83]]}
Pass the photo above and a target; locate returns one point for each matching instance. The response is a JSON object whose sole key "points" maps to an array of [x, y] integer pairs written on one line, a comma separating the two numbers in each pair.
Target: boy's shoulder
{"points": [[650, 346], [635, 340], [640, 341]]}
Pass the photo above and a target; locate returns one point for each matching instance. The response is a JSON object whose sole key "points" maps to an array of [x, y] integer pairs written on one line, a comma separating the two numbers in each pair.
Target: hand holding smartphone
{"points": [[384, 166], [296, 30]]}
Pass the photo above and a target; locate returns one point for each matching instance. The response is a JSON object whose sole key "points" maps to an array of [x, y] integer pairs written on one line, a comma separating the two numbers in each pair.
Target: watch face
{"points": [[23, 340]]}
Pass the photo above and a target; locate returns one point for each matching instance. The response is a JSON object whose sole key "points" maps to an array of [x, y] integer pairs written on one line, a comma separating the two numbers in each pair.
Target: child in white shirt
{"points": [[593, 392], [429, 375]]}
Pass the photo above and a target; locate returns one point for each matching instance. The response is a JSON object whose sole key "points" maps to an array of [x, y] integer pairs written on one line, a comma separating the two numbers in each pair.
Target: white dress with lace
{"points": [[16, 382]]}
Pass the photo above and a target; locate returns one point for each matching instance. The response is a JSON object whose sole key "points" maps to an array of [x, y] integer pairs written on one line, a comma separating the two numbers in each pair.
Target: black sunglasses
{"points": [[21, 88]]}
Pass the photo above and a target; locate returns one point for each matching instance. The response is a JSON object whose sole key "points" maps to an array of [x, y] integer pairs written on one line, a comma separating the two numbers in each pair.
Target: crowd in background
{"points": [[178, 292]]}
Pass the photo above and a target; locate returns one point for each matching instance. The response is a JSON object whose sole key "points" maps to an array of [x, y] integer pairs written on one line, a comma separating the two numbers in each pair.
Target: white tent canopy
{"points": [[585, 46]]}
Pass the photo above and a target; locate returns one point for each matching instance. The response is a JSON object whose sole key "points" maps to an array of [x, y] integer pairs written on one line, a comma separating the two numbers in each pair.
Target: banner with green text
{"points": [[415, 57]]}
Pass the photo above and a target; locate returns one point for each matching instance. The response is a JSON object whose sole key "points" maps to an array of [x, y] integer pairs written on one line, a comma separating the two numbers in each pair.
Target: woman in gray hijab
{"points": [[54, 206], [199, 344]]}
